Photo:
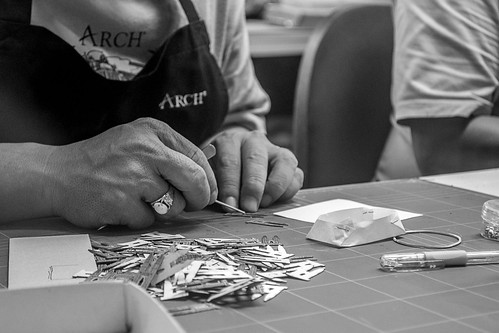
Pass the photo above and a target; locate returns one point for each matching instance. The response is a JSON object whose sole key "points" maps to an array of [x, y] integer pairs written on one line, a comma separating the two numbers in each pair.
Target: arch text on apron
{"points": [[181, 101]]}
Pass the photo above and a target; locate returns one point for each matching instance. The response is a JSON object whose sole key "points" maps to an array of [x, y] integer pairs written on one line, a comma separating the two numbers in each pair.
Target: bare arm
{"points": [[445, 145], [26, 180]]}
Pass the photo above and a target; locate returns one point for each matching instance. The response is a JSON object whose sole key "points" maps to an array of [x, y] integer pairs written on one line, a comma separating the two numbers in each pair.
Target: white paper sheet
{"points": [[310, 213], [482, 181], [48, 261]]}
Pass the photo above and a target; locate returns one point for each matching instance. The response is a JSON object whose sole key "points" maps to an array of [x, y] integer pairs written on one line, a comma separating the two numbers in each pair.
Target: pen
{"points": [[431, 260]]}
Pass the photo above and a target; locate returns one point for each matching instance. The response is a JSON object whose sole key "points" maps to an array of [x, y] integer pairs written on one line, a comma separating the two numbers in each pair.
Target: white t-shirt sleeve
{"points": [[226, 24], [446, 58]]}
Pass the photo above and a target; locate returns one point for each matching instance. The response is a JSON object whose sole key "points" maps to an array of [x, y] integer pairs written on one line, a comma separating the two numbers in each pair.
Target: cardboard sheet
{"points": [[48, 261], [310, 213]]}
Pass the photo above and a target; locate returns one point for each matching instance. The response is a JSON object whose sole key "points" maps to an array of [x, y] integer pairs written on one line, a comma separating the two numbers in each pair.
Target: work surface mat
{"points": [[353, 294]]}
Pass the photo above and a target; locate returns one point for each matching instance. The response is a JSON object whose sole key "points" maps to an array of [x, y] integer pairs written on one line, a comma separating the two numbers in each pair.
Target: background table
{"points": [[352, 295]]}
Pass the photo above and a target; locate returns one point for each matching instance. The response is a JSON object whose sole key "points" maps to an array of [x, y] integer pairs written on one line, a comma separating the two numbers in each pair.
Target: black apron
{"points": [[49, 93]]}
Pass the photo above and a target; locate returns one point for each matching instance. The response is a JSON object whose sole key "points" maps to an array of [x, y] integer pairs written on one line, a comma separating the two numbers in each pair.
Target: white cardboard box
{"points": [[83, 308]]}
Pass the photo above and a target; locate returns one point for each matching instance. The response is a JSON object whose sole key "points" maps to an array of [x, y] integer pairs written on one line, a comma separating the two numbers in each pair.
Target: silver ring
{"points": [[458, 239], [163, 204]]}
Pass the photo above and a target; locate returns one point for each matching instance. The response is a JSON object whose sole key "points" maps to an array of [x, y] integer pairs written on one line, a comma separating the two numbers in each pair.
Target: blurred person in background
{"points": [[445, 82]]}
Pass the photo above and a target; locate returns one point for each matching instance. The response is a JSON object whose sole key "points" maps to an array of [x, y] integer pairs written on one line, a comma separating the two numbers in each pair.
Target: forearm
{"points": [[456, 144], [26, 180]]}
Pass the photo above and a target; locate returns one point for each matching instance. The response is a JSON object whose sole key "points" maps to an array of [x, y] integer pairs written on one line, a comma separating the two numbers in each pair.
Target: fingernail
{"points": [[266, 200], [231, 201], [209, 151], [251, 204]]}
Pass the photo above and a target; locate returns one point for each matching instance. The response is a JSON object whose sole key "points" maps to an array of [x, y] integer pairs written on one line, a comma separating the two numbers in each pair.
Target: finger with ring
{"points": [[163, 204]]}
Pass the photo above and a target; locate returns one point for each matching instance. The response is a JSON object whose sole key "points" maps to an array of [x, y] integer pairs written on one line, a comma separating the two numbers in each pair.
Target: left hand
{"points": [[252, 172]]}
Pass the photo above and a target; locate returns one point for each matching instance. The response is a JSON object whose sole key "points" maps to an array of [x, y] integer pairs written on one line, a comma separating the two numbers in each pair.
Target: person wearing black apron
{"points": [[114, 151]]}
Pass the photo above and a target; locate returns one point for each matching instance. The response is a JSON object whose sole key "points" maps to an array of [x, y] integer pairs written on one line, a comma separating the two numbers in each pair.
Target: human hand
{"points": [[252, 172], [113, 177]]}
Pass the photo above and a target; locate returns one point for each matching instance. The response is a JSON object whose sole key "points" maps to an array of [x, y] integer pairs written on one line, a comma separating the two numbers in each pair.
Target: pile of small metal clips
{"points": [[209, 270]]}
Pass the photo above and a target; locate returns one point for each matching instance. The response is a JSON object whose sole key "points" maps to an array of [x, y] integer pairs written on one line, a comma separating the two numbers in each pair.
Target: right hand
{"points": [[111, 179]]}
